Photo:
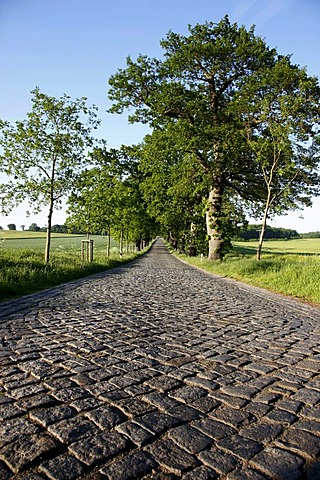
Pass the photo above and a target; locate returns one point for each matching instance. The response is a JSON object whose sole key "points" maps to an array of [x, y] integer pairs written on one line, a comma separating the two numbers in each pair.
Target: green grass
{"points": [[11, 239], [288, 267], [23, 271]]}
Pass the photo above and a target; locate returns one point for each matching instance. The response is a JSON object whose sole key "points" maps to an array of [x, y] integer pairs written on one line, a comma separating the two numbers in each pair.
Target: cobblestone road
{"points": [[159, 371]]}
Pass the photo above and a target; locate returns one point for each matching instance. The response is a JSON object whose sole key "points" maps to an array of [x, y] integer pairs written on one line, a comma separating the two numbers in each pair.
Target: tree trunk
{"points": [[265, 218], [263, 229], [213, 215], [109, 244], [48, 236], [121, 243]]}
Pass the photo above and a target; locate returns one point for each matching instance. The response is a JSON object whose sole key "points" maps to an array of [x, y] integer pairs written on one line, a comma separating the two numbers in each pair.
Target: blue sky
{"points": [[73, 46]]}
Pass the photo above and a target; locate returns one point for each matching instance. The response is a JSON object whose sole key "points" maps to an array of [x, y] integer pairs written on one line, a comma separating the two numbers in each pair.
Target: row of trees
{"points": [[252, 232], [235, 130]]}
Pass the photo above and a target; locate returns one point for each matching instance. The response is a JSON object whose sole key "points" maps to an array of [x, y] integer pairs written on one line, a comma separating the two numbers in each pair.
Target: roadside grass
{"points": [[293, 274], [23, 271]]}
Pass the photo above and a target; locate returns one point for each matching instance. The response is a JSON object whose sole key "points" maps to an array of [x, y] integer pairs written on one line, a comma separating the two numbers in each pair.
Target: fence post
{"points": [[87, 250]]}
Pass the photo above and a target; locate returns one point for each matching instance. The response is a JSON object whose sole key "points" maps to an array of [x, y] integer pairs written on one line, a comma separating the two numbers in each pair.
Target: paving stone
{"points": [[71, 429], [289, 405], [310, 364], [190, 439], [106, 417], [308, 425], [261, 431], [219, 461], [100, 447], [48, 416], [83, 404], [134, 465], [245, 473], [278, 464], [12, 429], [240, 446], [132, 407], [62, 467], [10, 411], [233, 417], [69, 394], [157, 422], [267, 397], [281, 416], [312, 413], [185, 413], [171, 457], [163, 383], [202, 382], [242, 391], [201, 473], [136, 433], [26, 391], [214, 429], [28, 476], [229, 400], [307, 396], [302, 442], [205, 404], [258, 409], [26, 449], [161, 401], [187, 394]]}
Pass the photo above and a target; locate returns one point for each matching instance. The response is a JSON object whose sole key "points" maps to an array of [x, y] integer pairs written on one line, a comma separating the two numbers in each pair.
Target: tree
{"points": [[107, 198], [43, 154], [22, 227], [11, 226], [282, 129], [191, 90], [34, 227]]}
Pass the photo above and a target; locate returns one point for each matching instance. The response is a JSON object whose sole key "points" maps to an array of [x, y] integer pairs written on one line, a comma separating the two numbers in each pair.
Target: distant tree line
{"points": [[252, 232], [310, 235]]}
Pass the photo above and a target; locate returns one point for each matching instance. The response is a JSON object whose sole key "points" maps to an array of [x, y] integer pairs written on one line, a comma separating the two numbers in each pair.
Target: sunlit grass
{"points": [[291, 274], [23, 271]]}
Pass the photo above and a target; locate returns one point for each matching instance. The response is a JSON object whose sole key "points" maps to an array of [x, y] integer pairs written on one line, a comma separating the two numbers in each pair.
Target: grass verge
{"points": [[24, 271], [297, 276]]}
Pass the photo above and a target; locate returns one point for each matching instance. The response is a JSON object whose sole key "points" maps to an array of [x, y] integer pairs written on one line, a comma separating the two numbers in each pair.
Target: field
{"points": [[304, 246], [13, 239], [289, 267], [23, 271]]}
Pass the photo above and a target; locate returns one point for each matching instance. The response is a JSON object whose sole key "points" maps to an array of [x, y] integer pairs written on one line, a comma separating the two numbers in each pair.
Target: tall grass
{"points": [[290, 274], [23, 271]]}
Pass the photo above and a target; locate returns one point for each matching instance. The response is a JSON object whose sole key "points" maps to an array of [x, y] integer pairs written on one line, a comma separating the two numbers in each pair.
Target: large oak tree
{"points": [[192, 88]]}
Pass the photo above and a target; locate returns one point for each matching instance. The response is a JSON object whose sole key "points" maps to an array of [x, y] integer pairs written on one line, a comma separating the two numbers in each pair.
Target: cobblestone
{"points": [[159, 371]]}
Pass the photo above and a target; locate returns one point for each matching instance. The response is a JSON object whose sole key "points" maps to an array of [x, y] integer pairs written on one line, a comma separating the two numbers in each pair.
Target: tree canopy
{"points": [[43, 154]]}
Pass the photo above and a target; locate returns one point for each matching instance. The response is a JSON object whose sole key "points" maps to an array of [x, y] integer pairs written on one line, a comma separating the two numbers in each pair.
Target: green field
{"points": [[22, 267], [303, 246], [10, 239], [289, 267]]}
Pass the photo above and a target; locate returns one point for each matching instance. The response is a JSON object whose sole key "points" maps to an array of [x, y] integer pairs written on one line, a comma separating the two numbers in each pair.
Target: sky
{"points": [[74, 46]]}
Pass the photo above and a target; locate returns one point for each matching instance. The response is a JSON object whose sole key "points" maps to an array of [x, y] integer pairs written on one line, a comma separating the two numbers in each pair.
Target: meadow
{"points": [[23, 271], [290, 267]]}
